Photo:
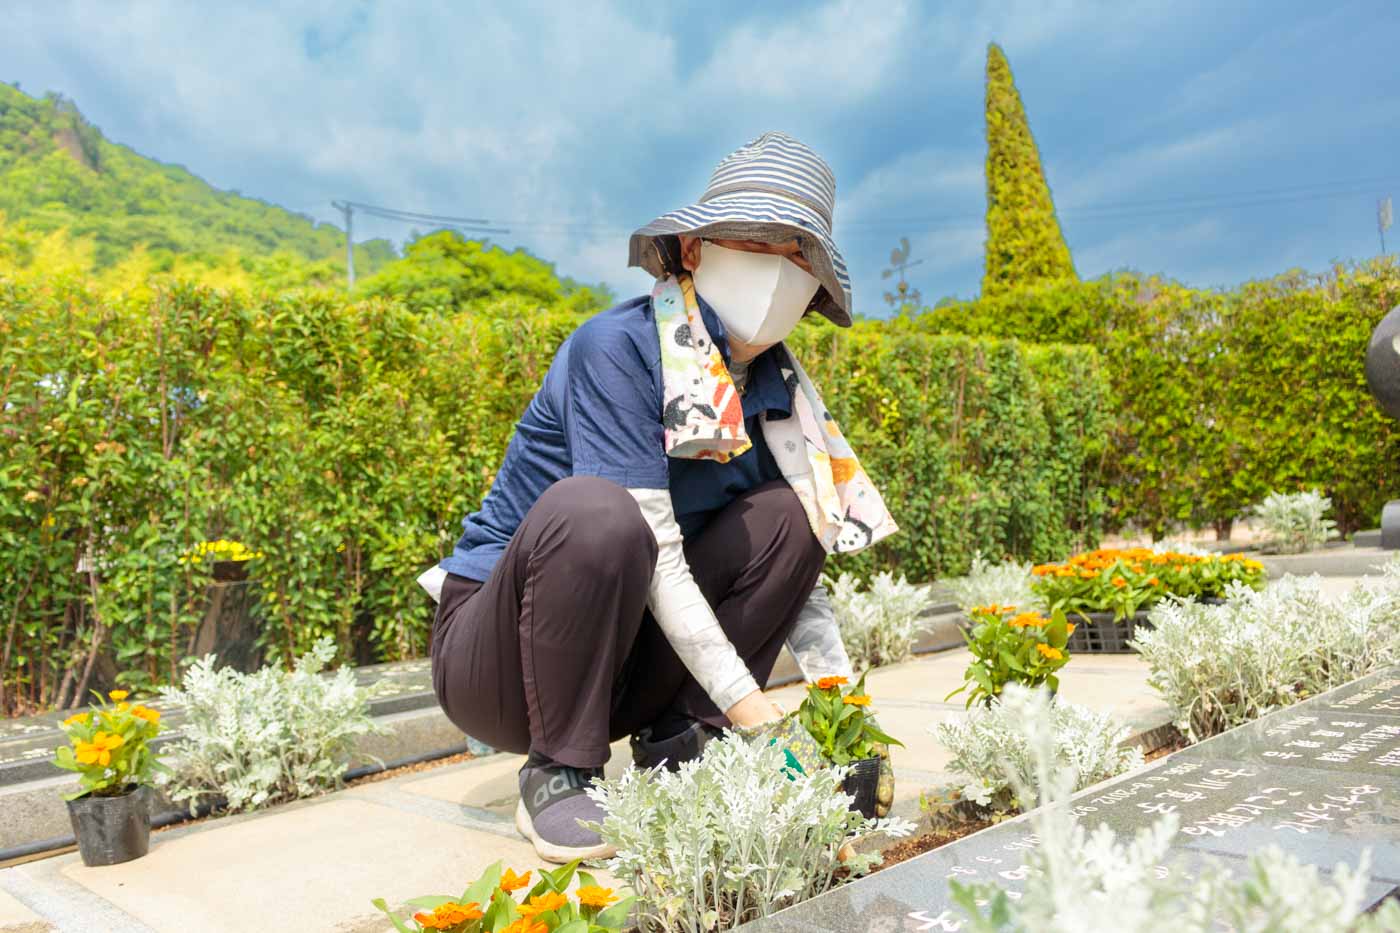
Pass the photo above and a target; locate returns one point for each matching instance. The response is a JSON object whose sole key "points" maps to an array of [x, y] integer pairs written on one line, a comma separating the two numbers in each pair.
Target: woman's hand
{"points": [[753, 710]]}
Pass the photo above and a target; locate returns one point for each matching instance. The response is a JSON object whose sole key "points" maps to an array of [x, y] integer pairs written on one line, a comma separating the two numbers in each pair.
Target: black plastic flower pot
{"points": [[230, 571], [112, 830], [863, 784]]}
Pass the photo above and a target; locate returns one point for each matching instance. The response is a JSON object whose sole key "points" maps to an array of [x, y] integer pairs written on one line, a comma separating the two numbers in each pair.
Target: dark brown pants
{"points": [[557, 653]]}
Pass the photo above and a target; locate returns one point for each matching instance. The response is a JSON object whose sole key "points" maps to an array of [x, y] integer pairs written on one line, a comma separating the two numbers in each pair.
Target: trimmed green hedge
{"points": [[1222, 397], [345, 441]]}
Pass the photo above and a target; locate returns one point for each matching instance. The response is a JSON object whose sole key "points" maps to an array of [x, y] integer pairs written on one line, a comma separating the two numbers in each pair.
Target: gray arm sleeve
{"points": [[815, 640]]}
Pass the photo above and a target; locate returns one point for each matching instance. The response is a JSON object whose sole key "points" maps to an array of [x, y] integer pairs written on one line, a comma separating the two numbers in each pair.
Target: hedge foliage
{"points": [[346, 440], [1025, 245], [1222, 397]]}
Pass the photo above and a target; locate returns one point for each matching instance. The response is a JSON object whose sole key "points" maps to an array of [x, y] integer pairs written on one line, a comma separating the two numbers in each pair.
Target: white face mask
{"points": [[760, 297]]}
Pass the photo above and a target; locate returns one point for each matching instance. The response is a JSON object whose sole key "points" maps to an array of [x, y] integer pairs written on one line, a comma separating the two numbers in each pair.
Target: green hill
{"points": [[57, 171]]}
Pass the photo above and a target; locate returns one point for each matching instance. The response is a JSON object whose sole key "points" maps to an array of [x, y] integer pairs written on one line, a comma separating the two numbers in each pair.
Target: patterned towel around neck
{"points": [[704, 419]]}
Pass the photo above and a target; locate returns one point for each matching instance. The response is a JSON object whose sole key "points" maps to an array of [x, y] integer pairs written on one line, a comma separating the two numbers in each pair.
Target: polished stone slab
{"points": [[1320, 779]]}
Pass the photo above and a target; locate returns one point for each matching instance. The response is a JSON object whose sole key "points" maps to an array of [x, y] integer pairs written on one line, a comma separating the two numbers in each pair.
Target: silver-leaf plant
{"points": [[1294, 522], [992, 758], [1079, 879], [988, 583], [730, 837], [1221, 666], [266, 737], [878, 626]]}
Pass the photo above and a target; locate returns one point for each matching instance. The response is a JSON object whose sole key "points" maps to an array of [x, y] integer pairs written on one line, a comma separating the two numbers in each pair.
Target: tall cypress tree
{"points": [[1024, 242]]}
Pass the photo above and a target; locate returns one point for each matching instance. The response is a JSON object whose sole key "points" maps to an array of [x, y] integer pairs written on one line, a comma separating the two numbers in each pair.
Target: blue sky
{"points": [[1210, 142]]}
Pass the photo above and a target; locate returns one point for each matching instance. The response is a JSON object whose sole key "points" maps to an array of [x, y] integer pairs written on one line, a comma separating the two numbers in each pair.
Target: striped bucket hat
{"points": [[772, 190]]}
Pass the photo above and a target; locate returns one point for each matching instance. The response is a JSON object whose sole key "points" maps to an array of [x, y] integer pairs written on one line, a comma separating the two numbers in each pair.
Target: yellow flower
{"points": [[1051, 652], [99, 750], [542, 904], [593, 896], [76, 718], [856, 700], [510, 881], [1069, 628], [146, 713], [1025, 619], [118, 694]]}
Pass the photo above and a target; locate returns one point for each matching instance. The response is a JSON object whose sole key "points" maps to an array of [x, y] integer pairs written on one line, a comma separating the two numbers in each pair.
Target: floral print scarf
{"points": [[704, 419]]}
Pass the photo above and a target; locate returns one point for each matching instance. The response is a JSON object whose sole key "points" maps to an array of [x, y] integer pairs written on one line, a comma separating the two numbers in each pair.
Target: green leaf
{"points": [[399, 925]]}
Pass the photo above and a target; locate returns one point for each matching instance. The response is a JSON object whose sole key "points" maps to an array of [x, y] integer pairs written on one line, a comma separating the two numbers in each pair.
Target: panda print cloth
{"points": [[703, 419]]}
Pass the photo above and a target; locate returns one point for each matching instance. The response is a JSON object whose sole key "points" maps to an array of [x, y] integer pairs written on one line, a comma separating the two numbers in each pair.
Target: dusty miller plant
{"points": [[266, 737], [1093, 880], [878, 626], [1220, 666], [996, 584], [988, 751], [730, 837], [1294, 522]]}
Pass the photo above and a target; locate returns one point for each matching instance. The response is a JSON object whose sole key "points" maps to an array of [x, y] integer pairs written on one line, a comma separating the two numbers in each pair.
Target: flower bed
{"points": [[1122, 582]]}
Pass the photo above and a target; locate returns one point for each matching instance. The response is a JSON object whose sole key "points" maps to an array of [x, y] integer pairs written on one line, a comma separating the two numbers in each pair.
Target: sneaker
{"points": [[648, 753], [552, 801]]}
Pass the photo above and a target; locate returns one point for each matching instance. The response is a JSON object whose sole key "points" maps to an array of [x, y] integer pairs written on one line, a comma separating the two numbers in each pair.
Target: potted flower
{"points": [[1110, 590], [110, 752], [1013, 647], [843, 726], [489, 904]]}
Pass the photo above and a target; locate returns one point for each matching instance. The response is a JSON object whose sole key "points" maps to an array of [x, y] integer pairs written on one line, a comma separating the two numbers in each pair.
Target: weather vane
{"points": [[899, 261]]}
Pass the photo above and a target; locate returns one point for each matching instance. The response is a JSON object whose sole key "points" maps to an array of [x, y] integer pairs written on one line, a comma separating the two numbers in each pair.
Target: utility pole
{"points": [[348, 210], [1384, 218]]}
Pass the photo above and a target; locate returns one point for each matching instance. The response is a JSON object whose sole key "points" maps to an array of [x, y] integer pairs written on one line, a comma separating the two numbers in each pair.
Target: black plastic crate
{"points": [[1097, 633]]}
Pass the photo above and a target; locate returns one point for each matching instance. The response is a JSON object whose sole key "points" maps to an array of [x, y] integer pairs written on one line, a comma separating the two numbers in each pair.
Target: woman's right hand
{"points": [[753, 710]]}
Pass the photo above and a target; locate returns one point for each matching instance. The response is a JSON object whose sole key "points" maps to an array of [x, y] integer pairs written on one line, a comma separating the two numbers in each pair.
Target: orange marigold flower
{"points": [[1069, 628], [856, 700], [830, 683], [1051, 652], [510, 881], [590, 895], [1027, 619], [99, 750], [76, 718], [543, 903], [1087, 575], [1153, 581], [446, 916], [523, 925], [146, 713], [1119, 582]]}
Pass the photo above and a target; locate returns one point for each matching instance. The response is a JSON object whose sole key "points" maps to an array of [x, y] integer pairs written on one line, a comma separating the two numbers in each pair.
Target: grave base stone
{"points": [[1320, 780]]}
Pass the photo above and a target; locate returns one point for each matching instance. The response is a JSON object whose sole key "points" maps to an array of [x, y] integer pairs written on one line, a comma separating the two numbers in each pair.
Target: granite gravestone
{"points": [[1320, 779]]}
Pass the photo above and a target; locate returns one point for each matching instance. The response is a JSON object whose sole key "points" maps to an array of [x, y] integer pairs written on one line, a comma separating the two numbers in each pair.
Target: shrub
{"points": [[728, 838], [1010, 647], [1221, 666], [267, 737], [878, 626], [1294, 522], [1007, 583], [988, 750], [1124, 581], [344, 441], [1220, 397], [1080, 880]]}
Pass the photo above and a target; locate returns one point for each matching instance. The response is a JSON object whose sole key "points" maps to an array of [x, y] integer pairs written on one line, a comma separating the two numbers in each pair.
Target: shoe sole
{"points": [[552, 852]]}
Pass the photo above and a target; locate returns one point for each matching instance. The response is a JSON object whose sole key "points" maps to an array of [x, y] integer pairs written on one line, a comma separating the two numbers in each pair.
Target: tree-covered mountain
{"points": [[57, 171]]}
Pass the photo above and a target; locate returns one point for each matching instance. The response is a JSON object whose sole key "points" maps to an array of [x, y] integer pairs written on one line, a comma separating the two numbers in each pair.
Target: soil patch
{"points": [[905, 849]]}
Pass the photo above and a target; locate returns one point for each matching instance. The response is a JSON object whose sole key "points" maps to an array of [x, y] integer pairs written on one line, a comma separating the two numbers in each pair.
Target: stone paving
{"points": [[316, 864]]}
